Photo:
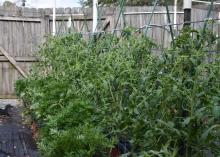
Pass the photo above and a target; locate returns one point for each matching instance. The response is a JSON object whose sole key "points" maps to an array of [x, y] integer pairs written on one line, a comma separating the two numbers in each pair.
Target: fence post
{"points": [[45, 26], [187, 6]]}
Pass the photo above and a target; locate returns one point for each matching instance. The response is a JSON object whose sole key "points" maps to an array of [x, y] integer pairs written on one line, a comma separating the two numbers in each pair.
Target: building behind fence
{"points": [[23, 30]]}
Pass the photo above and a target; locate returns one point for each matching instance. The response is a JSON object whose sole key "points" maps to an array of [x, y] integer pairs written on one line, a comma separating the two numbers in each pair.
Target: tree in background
{"points": [[9, 4], [23, 3]]}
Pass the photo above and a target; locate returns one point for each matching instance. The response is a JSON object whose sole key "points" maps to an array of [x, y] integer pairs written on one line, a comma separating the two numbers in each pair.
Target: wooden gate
{"points": [[19, 40]]}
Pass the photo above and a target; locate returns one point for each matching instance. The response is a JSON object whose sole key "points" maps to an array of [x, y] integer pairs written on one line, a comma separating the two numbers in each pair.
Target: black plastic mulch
{"points": [[15, 139]]}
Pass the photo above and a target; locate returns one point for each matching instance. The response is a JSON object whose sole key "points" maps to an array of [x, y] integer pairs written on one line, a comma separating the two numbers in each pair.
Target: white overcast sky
{"points": [[49, 3]]}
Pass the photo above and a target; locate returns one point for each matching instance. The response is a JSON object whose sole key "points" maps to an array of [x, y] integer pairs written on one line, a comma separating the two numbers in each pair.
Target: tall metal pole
{"points": [[95, 15], [54, 18], [187, 6]]}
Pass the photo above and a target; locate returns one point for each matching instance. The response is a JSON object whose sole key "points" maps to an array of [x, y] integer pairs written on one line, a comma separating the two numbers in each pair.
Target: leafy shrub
{"points": [[87, 95]]}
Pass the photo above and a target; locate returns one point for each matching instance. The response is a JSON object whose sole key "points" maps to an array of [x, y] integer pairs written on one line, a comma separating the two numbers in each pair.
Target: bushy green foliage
{"points": [[89, 94]]}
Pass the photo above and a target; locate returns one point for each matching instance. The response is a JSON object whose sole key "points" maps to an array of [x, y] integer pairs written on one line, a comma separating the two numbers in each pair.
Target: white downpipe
{"points": [[95, 15], [54, 18], [187, 4], [175, 14]]}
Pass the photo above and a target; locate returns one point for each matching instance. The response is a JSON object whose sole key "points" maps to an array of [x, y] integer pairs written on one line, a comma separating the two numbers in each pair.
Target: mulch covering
{"points": [[15, 139]]}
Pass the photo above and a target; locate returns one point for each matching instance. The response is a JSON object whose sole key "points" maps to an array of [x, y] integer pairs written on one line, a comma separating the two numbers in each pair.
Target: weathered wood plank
{"points": [[10, 39], [149, 12], [20, 19], [78, 18], [13, 62], [11, 78], [5, 75]]}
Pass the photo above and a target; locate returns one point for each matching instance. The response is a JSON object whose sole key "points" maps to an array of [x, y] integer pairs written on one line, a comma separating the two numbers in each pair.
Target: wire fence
{"points": [[212, 24], [163, 33]]}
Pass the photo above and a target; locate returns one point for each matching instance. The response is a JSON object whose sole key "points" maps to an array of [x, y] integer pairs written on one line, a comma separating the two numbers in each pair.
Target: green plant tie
{"points": [[59, 30], [123, 15], [85, 22], [206, 23], [72, 20], [122, 2], [169, 21], [151, 16], [208, 15]]}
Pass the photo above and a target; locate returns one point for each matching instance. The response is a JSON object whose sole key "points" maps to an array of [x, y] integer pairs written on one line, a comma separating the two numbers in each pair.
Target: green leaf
{"points": [[204, 135], [186, 121]]}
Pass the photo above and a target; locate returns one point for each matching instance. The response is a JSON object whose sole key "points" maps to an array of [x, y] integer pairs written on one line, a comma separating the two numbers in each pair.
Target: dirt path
{"points": [[15, 139]]}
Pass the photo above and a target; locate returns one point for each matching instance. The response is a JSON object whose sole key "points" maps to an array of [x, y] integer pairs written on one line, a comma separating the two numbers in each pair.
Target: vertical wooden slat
{"points": [[14, 39], [11, 75], [10, 38], [5, 74]]}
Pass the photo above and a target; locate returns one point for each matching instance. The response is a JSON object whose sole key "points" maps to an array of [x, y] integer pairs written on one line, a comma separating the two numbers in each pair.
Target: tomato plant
{"points": [[90, 96]]}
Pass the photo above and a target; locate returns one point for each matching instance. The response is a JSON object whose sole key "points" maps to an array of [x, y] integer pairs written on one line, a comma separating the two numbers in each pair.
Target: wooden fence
{"points": [[23, 30]]}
